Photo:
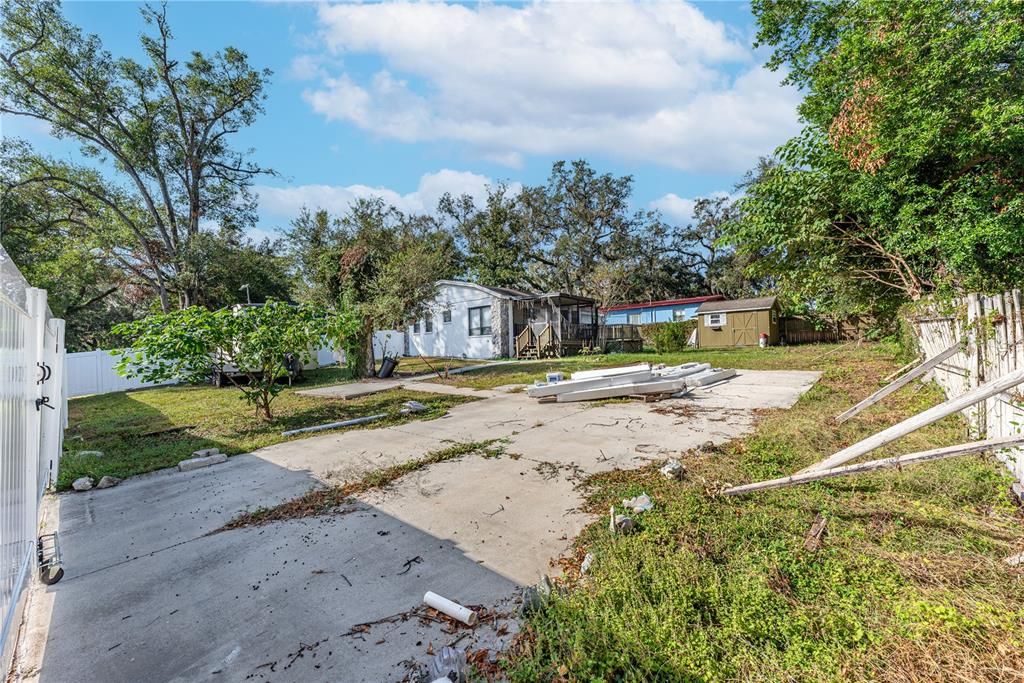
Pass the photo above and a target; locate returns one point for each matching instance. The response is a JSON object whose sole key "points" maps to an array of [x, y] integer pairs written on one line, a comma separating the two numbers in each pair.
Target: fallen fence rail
{"points": [[872, 465]]}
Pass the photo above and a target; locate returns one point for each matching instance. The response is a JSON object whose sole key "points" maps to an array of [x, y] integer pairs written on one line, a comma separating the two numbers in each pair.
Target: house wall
{"points": [[453, 338], [650, 314], [728, 336]]}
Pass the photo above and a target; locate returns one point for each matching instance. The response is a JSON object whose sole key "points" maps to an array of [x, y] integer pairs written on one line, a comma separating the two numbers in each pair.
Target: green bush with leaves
{"points": [[667, 337], [250, 345]]}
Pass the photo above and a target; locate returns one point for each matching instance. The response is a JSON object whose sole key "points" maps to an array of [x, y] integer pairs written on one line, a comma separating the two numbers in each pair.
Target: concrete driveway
{"points": [[149, 594]]}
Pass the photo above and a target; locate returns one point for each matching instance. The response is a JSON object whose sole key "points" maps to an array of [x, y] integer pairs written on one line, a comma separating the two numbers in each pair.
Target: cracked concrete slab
{"points": [[150, 595]]}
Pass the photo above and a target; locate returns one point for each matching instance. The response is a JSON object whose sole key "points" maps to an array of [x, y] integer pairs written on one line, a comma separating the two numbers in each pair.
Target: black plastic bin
{"points": [[387, 367]]}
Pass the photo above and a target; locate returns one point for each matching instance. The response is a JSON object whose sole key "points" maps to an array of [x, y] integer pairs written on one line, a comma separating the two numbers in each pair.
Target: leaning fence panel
{"points": [[992, 331]]}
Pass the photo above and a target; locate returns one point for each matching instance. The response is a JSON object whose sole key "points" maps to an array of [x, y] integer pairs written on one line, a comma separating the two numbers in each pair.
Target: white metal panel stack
{"points": [[592, 385]]}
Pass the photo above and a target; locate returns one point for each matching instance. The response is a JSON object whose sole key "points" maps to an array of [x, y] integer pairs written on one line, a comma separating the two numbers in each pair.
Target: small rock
{"points": [[82, 484], [205, 452], [673, 469], [90, 454], [1015, 560], [708, 446], [107, 481], [624, 524], [588, 560]]}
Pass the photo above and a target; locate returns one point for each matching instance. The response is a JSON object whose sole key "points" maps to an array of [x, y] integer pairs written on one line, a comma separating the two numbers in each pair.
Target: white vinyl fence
{"points": [[94, 372], [992, 331], [33, 414]]}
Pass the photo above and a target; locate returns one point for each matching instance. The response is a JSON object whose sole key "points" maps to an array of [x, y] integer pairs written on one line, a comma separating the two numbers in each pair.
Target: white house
{"points": [[465, 320], [468, 320]]}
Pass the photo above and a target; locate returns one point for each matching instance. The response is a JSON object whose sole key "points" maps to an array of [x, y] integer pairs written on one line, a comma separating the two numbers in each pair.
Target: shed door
{"points": [[744, 329]]}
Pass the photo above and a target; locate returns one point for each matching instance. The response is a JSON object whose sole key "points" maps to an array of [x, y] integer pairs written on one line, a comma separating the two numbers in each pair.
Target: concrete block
{"points": [[205, 452], [199, 463]]}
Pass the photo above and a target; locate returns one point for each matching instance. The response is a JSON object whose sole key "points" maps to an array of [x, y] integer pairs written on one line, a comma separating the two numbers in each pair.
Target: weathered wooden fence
{"points": [[991, 329], [797, 330]]}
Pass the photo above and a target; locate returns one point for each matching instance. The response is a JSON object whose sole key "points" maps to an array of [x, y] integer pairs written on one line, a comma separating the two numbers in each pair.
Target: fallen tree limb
{"points": [[899, 383], [911, 424], [884, 463]]}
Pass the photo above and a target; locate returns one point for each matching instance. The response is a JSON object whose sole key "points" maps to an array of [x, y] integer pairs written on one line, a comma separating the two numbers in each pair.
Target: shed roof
{"points": [[759, 304]]}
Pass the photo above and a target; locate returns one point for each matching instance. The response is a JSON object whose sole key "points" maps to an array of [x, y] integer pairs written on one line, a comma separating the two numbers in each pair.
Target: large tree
{"points": [[700, 245], [493, 238], [575, 233], [376, 264], [157, 134], [908, 175]]}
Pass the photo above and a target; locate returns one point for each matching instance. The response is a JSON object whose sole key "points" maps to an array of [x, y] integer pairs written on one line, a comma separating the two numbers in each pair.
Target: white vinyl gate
{"points": [[33, 413]]}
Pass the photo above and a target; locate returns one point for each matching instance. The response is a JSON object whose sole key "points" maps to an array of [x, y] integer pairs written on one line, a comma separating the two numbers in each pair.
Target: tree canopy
{"points": [[157, 136], [906, 178]]}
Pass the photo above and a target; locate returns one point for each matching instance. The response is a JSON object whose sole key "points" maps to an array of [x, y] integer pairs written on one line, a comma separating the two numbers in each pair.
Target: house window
{"points": [[714, 319], [678, 315], [428, 324], [775, 316], [446, 316], [633, 318], [416, 327], [480, 321]]}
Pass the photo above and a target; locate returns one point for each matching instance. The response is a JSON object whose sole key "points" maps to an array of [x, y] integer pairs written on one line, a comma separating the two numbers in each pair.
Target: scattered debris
{"points": [[588, 560], [201, 462], [501, 508], [412, 407], [816, 533], [535, 597], [409, 563], [624, 524], [205, 452], [555, 377], [673, 469], [448, 665], [90, 454], [1015, 560], [452, 609], [620, 524], [641, 503], [107, 481], [82, 484]]}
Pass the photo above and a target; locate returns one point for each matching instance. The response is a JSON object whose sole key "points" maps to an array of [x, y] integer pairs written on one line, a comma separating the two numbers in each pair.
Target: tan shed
{"points": [[726, 324]]}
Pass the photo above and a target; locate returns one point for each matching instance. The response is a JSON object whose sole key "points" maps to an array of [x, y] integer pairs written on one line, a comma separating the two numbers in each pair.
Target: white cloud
{"points": [[285, 202], [680, 209], [652, 82], [674, 207]]}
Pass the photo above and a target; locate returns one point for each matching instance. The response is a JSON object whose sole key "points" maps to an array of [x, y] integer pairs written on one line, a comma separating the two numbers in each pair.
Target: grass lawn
{"points": [[909, 583], [411, 366], [118, 424], [806, 357]]}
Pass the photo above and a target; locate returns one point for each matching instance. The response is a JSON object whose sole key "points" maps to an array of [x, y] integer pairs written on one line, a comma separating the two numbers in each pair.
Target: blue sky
{"points": [[411, 100]]}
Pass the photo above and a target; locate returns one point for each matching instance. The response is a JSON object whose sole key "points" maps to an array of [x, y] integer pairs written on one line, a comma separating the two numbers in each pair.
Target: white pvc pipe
{"points": [[335, 425], [452, 609]]}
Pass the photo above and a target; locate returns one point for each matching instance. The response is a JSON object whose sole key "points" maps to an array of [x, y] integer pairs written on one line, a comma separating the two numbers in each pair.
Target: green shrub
{"points": [[667, 337]]}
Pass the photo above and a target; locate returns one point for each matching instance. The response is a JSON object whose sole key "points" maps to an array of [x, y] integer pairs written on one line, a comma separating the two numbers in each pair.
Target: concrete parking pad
{"points": [[150, 594]]}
